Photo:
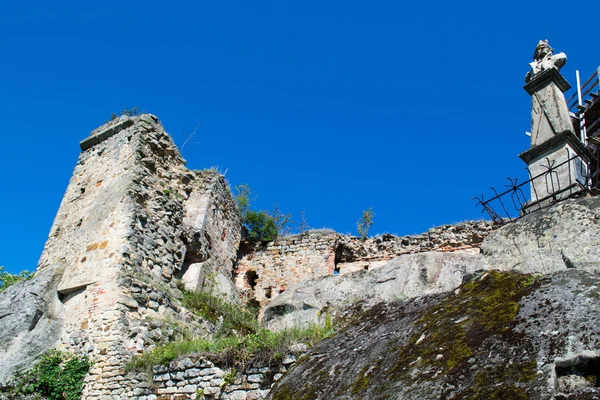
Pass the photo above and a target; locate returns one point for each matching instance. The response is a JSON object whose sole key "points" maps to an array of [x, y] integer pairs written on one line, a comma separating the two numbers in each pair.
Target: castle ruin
{"points": [[136, 226]]}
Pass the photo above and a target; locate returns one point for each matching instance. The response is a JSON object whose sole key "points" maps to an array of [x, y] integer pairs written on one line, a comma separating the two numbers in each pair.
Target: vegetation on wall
{"points": [[238, 341], [303, 224], [364, 224], [232, 320], [130, 113], [260, 226], [58, 376], [262, 346], [7, 279]]}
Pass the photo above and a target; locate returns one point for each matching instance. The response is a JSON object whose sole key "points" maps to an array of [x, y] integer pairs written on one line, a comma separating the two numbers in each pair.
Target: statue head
{"points": [[542, 50]]}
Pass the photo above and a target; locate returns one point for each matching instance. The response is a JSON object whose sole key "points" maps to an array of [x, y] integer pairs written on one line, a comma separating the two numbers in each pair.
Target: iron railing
{"points": [[512, 203], [582, 92]]}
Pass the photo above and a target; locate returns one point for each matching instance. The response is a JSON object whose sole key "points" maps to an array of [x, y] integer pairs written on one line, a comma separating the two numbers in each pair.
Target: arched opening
{"points": [[343, 254]]}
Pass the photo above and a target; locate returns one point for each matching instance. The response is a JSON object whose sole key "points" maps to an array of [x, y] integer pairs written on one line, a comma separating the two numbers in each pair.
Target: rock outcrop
{"points": [[501, 336], [403, 277], [566, 235], [30, 320]]}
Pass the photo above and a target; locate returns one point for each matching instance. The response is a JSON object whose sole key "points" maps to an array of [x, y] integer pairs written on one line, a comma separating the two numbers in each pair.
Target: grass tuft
{"points": [[233, 320]]}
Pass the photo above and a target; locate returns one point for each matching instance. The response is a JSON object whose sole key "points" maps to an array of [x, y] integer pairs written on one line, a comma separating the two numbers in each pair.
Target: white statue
{"points": [[544, 60]]}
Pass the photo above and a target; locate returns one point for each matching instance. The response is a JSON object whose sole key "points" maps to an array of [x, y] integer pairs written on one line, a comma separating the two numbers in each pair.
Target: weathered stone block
{"points": [[256, 378], [192, 373], [190, 389]]}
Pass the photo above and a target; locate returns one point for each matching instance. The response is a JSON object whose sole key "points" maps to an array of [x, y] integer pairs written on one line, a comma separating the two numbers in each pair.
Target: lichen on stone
{"points": [[449, 333]]}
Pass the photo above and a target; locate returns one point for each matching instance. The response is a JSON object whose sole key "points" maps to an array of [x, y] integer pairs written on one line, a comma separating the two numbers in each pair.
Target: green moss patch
{"points": [[448, 334], [362, 382], [308, 391], [500, 383]]}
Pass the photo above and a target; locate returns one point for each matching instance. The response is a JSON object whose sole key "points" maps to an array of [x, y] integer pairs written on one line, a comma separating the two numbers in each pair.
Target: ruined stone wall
{"points": [[214, 229], [199, 378], [128, 221], [263, 273]]}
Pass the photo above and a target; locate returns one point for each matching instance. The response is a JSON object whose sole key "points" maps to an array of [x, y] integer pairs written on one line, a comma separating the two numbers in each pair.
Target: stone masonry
{"points": [[133, 218], [198, 378], [265, 272], [213, 232]]}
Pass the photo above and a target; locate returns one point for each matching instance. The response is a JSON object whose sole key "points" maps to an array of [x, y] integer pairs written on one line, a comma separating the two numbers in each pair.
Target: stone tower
{"points": [[556, 159], [132, 220]]}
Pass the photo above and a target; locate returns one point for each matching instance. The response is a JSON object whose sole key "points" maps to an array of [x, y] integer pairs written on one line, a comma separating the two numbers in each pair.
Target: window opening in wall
{"points": [[343, 254], [268, 292], [366, 267], [251, 278]]}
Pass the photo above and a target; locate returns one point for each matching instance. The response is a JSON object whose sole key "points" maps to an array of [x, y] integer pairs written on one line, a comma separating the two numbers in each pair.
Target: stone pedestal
{"points": [[549, 112], [558, 168]]}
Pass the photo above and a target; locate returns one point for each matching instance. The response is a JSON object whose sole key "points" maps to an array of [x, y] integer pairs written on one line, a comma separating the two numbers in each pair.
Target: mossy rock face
{"points": [[449, 333], [496, 337]]}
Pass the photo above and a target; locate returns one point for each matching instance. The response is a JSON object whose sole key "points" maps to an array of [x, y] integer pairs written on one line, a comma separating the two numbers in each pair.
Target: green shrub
{"points": [[58, 376], [7, 279], [242, 199], [260, 226]]}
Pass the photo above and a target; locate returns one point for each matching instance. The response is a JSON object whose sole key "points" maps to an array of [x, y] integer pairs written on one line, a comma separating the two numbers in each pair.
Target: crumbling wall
{"points": [[265, 272], [121, 240], [354, 254], [199, 378], [213, 231]]}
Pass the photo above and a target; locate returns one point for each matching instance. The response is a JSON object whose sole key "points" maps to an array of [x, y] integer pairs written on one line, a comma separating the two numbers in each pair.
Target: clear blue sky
{"points": [[331, 107]]}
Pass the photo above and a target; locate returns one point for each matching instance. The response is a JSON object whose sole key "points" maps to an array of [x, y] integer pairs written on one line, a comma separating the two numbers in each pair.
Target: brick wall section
{"points": [[264, 272], [284, 262]]}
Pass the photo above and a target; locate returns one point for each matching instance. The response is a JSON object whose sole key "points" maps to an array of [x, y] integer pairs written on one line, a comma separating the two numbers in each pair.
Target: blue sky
{"points": [[332, 107]]}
